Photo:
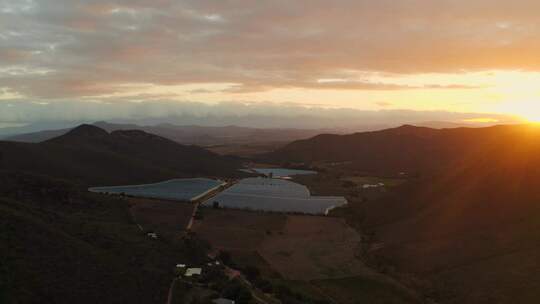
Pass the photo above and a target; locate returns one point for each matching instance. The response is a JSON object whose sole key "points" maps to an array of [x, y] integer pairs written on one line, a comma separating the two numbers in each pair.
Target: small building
{"points": [[193, 271], [222, 301]]}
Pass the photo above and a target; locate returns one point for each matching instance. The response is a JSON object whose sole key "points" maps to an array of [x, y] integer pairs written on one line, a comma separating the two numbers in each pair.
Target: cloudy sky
{"points": [[60, 58]]}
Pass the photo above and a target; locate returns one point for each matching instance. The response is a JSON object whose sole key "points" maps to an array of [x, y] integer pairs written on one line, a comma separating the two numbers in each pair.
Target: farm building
{"points": [[193, 271]]}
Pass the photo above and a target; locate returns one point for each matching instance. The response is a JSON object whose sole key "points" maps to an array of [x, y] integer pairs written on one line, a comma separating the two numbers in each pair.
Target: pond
{"points": [[184, 189], [274, 195]]}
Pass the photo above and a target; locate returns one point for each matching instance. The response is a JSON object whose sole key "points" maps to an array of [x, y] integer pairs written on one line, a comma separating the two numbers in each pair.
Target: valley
{"points": [[395, 239], [306, 253], [269, 152]]}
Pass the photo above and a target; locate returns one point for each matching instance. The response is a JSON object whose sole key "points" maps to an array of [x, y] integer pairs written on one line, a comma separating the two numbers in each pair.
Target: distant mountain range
{"points": [[92, 155], [205, 135], [193, 135]]}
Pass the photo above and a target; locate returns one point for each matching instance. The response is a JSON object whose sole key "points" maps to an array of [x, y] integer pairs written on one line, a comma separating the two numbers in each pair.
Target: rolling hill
{"points": [[407, 148], [468, 224], [91, 155], [61, 244], [188, 134]]}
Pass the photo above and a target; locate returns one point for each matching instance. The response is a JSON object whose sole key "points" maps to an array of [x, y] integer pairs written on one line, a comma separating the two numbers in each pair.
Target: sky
{"points": [[68, 60]]}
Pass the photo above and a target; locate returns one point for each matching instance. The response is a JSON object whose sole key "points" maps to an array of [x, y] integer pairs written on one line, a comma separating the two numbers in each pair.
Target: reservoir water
{"points": [[183, 189]]}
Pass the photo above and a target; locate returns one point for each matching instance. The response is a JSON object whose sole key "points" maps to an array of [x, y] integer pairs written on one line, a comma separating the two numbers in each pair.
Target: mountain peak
{"points": [[409, 127], [414, 130], [82, 133], [87, 130]]}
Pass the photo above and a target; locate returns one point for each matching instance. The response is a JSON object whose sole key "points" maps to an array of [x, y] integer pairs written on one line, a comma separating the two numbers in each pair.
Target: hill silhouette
{"points": [[91, 155], [407, 148], [468, 224], [188, 134]]}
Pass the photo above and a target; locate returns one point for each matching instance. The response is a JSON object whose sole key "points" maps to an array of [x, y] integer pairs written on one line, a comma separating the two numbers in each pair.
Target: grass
{"points": [[160, 214], [363, 289], [237, 229], [314, 247]]}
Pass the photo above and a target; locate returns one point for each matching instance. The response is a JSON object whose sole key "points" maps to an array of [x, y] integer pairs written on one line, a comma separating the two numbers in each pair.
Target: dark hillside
{"points": [[405, 149], [59, 245], [90, 155], [469, 224], [189, 134]]}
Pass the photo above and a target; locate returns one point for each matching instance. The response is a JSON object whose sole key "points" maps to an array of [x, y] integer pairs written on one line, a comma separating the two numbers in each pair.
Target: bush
{"points": [[251, 272], [264, 285], [235, 290], [226, 258]]}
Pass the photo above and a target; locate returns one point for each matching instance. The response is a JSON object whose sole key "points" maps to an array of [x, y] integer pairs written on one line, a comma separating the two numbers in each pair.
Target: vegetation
{"points": [[477, 192], [89, 155], [61, 245], [474, 190]]}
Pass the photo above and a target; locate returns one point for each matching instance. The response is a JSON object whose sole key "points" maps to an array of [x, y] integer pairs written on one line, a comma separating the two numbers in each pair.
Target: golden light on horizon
{"points": [[530, 111]]}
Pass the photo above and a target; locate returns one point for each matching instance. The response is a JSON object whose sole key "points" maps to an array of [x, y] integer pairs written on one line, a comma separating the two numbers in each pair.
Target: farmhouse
{"points": [[193, 271]]}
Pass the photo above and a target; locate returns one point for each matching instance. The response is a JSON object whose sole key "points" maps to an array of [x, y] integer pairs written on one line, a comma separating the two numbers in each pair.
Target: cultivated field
{"points": [[313, 248], [374, 289], [229, 230], [298, 247], [311, 255], [159, 214]]}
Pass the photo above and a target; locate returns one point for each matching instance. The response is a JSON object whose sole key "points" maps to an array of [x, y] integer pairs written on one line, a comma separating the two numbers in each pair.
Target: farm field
{"points": [[160, 214], [298, 247], [314, 256], [314, 248], [228, 229], [375, 289]]}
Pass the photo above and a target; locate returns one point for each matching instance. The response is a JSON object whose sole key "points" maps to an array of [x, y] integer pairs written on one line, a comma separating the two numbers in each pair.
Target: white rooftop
{"points": [[192, 271]]}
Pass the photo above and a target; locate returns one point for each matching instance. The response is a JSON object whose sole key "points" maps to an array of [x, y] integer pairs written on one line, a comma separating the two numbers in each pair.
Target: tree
{"points": [[225, 257], [235, 290], [251, 272]]}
